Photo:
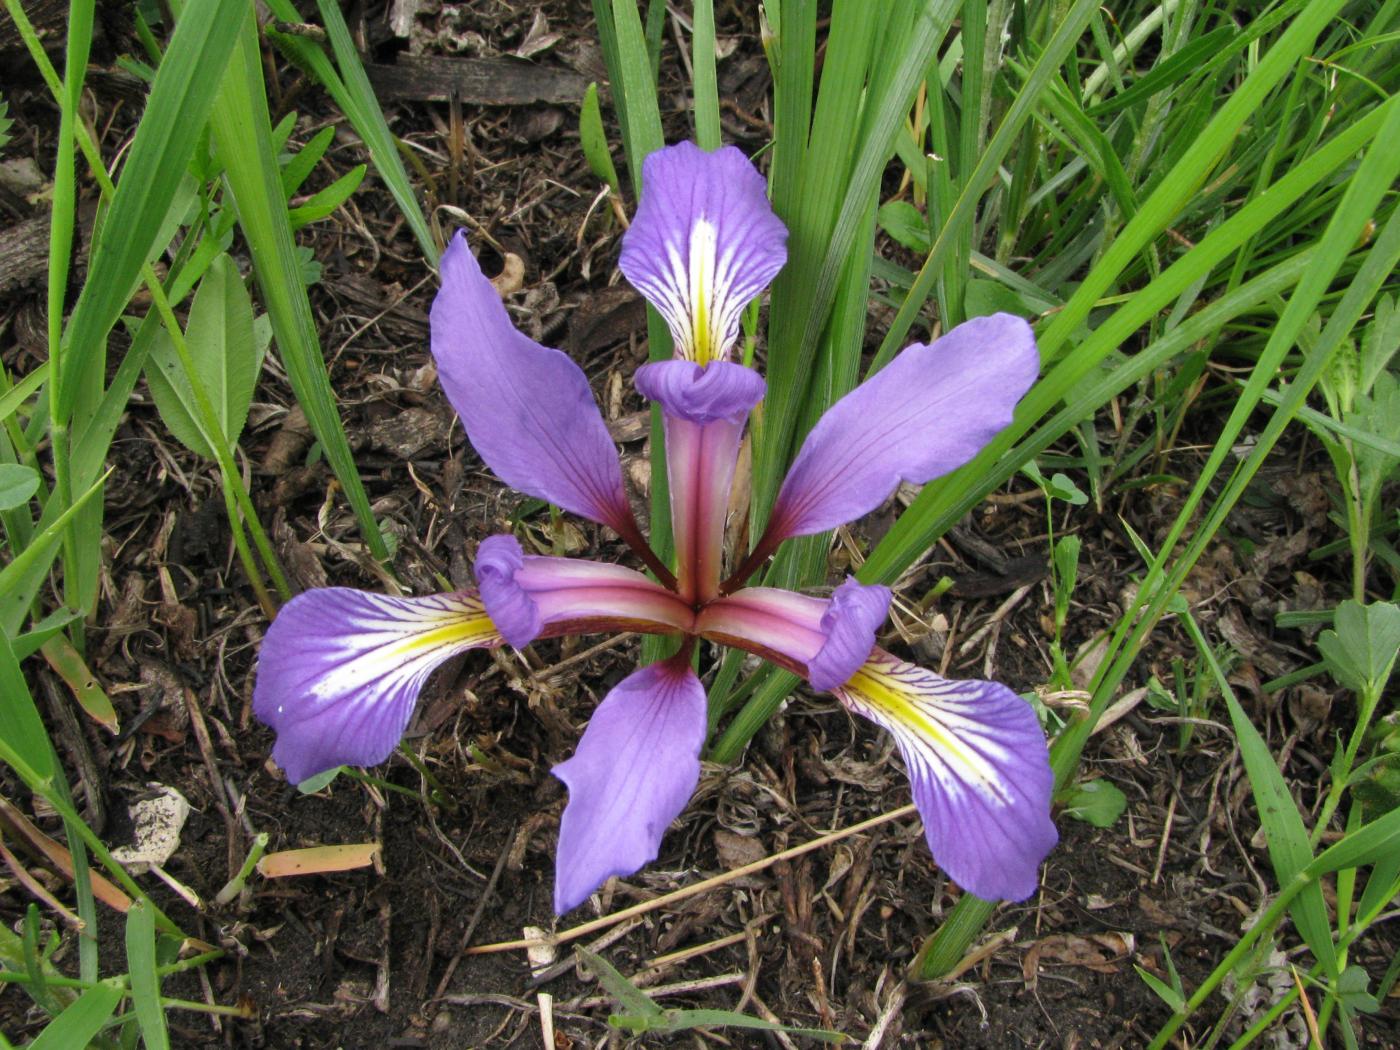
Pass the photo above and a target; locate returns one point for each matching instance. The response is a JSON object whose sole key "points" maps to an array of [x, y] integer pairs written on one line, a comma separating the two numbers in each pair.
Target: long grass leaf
{"points": [[78, 1024], [145, 983], [243, 133], [180, 101]]}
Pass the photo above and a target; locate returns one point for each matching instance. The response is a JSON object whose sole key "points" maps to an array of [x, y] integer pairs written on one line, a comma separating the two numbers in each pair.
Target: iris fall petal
{"points": [[340, 671], [703, 243], [978, 766]]}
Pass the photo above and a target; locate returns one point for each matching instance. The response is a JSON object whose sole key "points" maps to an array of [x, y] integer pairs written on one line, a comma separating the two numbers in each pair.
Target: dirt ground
{"points": [[375, 957]]}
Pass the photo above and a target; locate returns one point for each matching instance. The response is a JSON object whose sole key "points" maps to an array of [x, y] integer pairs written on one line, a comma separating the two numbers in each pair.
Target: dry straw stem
{"points": [[690, 891]]}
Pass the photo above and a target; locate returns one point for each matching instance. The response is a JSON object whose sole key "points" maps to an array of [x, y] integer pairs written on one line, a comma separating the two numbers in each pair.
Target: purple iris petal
{"points": [[703, 243], [704, 410], [515, 614], [340, 670], [527, 409], [528, 595], [849, 623], [978, 767], [826, 641], [632, 774], [719, 391], [929, 411]]}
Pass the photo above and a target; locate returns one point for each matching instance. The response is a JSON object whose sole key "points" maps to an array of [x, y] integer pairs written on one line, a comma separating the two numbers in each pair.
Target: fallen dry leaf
{"points": [[317, 860]]}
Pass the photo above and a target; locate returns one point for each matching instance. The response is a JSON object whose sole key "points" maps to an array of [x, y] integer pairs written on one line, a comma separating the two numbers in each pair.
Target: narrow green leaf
{"points": [[594, 139], [20, 725], [78, 1024], [323, 202], [354, 94], [299, 168], [34, 561], [619, 987], [1287, 837], [174, 118], [227, 353], [242, 133], [1169, 995], [705, 90], [145, 983]]}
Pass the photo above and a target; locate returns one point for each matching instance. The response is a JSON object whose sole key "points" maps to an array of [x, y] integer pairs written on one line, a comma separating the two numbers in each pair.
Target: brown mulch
{"points": [[376, 957]]}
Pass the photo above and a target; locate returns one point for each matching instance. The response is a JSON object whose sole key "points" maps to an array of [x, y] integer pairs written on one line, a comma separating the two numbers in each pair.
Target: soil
{"points": [[375, 957]]}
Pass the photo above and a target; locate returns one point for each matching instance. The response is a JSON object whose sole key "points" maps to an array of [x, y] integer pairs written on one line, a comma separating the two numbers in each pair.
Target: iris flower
{"points": [[340, 669]]}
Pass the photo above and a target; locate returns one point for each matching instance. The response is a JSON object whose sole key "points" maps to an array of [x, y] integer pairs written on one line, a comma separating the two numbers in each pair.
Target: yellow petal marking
{"points": [[885, 693]]}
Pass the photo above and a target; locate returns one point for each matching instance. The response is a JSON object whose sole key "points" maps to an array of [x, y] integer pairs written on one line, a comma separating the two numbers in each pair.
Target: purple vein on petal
{"points": [[978, 767]]}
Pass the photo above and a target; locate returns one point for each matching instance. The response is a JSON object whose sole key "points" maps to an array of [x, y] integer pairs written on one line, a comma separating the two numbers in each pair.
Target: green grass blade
{"points": [[706, 87], [20, 725], [944, 501], [243, 134], [1067, 33], [145, 983], [353, 93], [78, 1024], [175, 114]]}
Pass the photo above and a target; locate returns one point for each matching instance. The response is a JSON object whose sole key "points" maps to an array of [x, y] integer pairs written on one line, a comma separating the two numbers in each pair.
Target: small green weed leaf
{"points": [[624, 991], [595, 140], [17, 484], [1063, 488], [984, 297], [296, 170], [906, 225], [1096, 802], [227, 354], [5, 123], [309, 268], [1360, 652], [1381, 341], [322, 203], [1169, 995], [311, 785], [1352, 989]]}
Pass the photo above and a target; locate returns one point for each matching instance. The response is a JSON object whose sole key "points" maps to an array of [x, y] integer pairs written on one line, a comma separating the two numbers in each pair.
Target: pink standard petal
{"points": [[703, 243], [527, 596], [632, 774], [527, 409], [340, 671], [978, 766], [928, 412], [824, 640], [704, 410]]}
